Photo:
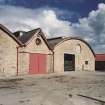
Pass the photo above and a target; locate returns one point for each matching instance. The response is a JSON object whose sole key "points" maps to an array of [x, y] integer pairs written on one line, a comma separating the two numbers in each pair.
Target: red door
{"points": [[37, 64]]}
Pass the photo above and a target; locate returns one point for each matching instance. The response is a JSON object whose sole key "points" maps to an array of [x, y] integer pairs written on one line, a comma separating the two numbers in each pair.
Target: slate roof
{"points": [[10, 34], [26, 35], [51, 42], [54, 41]]}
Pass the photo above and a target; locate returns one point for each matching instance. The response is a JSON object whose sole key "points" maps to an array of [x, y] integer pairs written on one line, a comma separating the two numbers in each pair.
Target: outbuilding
{"points": [[100, 62], [72, 54], [32, 53], [35, 56]]}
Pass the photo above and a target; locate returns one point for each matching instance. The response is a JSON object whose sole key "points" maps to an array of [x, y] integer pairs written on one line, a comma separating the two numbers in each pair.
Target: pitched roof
{"points": [[10, 34], [51, 42], [54, 41], [100, 57], [27, 35], [44, 38], [19, 33]]}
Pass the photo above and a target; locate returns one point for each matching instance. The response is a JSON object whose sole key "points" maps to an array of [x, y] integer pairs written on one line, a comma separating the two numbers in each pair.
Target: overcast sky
{"points": [[75, 18]]}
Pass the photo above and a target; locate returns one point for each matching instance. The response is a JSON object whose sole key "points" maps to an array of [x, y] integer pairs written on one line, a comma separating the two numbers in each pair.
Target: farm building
{"points": [[31, 53], [100, 62], [72, 54], [8, 51]]}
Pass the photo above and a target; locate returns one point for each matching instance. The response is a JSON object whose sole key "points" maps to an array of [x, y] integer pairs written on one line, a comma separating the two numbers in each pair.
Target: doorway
{"points": [[100, 65], [69, 62]]}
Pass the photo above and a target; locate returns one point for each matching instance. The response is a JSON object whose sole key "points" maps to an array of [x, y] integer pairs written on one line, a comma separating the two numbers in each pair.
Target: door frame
{"points": [[73, 55]]}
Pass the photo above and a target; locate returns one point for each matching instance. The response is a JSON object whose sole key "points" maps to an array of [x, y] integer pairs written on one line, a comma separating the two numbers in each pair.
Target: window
{"points": [[38, 41], [78, 49], [86, 62]]}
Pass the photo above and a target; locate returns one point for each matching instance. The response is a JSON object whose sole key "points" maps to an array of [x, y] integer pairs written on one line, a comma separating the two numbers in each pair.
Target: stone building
{"points": [[31, 53], [8, 52], [72, 54]]}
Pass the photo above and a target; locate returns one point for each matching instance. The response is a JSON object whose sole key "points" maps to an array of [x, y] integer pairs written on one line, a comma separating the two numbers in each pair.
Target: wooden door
{"points": [[37, 63], [42, 63]]}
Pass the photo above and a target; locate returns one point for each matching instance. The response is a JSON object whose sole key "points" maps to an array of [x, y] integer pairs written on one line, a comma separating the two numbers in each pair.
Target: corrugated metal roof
{"points": [[100, 57]]}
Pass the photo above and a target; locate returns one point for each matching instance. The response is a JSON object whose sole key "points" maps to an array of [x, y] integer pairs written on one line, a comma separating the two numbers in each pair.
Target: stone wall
{"points": [[70, 47], [8, 55], [33, 48]]}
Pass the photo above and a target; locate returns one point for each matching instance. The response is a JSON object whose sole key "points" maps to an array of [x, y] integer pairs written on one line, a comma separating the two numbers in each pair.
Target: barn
{"points": [[100, 62], [72, 54], [35, 56], [32, 53]]}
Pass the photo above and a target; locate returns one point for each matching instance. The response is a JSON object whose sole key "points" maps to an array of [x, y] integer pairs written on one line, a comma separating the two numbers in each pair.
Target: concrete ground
{"points": [[54, 89]]}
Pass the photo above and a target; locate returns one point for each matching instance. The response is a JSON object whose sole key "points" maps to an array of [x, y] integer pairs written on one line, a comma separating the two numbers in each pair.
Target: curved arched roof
{"points": [[51, 43], [75, 38]]}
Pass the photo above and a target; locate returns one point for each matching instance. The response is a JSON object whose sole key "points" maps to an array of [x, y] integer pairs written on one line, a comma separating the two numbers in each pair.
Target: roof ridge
{"points": [[100, 53], [10, 34], [53, 38], [33, 30]]}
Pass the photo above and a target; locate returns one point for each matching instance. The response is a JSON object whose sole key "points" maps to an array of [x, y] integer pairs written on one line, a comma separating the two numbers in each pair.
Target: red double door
{"points": [[37, 64]]}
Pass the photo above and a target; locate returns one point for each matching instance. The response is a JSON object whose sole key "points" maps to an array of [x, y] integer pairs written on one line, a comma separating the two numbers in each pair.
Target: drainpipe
{"points": [[53, 61], [17, 61]]}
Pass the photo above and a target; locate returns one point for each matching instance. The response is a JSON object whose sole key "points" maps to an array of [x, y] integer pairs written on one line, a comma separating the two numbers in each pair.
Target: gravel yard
{"points": [[54, 89]]}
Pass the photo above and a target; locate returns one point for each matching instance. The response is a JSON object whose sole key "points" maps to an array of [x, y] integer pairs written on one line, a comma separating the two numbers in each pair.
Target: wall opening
{"points": [[100, 65], [69, 62]]}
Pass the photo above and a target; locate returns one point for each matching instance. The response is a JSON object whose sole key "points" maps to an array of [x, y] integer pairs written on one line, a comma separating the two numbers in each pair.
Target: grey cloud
{"points": [[92, 28]]}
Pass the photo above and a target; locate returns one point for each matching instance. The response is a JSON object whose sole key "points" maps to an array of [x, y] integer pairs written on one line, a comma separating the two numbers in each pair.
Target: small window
{"points": [[78, 48], [38, 41], [86, 62]]}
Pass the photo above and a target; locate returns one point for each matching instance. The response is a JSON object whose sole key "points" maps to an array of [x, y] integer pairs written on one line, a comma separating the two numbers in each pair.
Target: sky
{"points": [[74, 18]]}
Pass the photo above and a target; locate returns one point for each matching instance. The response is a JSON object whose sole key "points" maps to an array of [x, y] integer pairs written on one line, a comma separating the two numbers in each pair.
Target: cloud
{"points": [[17, 18], [91, 28]]}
